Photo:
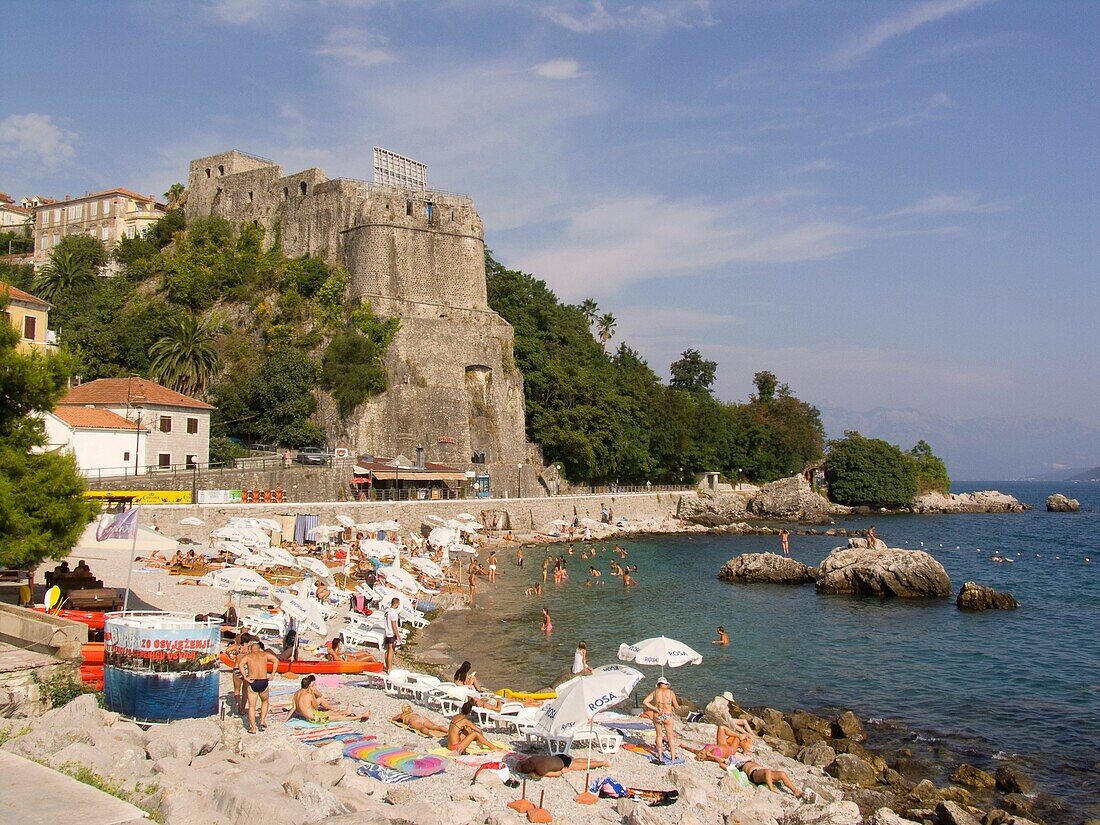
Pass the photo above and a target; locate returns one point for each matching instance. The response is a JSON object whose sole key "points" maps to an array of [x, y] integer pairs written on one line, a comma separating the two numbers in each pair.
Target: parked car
{"points": [[312, 455]]}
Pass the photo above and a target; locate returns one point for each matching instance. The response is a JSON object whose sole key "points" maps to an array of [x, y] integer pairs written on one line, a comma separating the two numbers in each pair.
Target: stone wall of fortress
{"points": [[414, 254]]}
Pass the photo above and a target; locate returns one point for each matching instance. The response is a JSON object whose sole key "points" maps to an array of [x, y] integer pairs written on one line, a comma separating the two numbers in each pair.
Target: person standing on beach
{"points": [[547, 625], [519, 557], [492, 565], [662, 702], [785, 539], [391, 634], [253, 670], [472, 581]]}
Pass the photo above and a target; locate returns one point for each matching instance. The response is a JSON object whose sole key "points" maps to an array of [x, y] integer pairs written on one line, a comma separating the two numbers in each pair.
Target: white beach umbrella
{"points": [[559, 522], [614, 677], [237, 580], [307, 611], [234, 547], [427, 566], [347, 521], [315, 566], [442, 535], [659, 651], [228, 533], [434, 520], [580, 699], [192, 521], [466, 517], [280, 555], [268, 524], [378, 548], [389, 524], [464, 526], [463, 548], [402, 580]]}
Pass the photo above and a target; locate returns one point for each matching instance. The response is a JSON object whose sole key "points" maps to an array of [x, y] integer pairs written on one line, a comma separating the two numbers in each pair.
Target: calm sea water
{"points": [[1023, 684]]}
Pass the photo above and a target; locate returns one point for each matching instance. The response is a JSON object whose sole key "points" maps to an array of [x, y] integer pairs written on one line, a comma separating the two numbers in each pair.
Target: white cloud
{"points": [[958, 203], [600, 15], [558, 69], [819, 165], [247, 12], [859, 46], [34, 139], [355, 47], [624, 240], [936, 108]]}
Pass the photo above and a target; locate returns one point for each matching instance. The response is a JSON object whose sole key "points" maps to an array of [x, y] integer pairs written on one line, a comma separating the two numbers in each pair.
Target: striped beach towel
{"points": [[387, 775]]}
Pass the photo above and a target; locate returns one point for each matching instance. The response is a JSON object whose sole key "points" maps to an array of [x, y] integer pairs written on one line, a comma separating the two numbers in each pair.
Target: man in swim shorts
{"points": [[551, 766], [392, 632], [253, 667], [310, 705]]}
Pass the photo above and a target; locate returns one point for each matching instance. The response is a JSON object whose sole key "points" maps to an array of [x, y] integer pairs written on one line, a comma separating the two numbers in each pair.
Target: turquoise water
{"points": [[973, 687]]}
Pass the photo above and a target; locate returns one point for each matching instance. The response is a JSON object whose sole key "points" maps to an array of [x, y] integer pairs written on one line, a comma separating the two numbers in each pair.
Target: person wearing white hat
{"points": [[662, 702], [739, 735]]}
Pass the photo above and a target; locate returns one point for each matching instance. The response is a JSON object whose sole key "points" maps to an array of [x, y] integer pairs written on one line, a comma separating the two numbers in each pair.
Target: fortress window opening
{"points": [[286, 193], [250, 197], [207, 171], [302, 187], [408, 207], [221, 170]]}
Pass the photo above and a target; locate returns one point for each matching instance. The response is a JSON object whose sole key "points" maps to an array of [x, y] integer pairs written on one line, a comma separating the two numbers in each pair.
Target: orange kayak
{"points": [[94, 620], [318, 666], [92, 653]]}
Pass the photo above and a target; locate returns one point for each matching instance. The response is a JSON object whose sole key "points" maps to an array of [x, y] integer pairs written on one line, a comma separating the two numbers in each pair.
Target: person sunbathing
{"points": [[418, 722], [548, 767], [737, 738], [757, 774], [462, 732], [466, 677], [310, 705], [335, 651]]}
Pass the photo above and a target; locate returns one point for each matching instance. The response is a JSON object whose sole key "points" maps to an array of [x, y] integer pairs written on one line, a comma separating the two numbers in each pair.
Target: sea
{"points": [[981, 688]]}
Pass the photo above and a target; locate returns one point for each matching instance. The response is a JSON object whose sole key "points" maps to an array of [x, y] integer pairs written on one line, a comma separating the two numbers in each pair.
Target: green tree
{"points": [[224, 450], [590, 309], [693, 373], [186, 359], [605, 327], [766, 384], [352, 369], [175, 197], [72, 269], [931, 471], [870, 472], [42, 507]]}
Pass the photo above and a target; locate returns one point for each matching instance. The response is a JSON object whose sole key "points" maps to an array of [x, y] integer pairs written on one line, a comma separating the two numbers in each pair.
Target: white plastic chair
{"points": [[364, 636]]}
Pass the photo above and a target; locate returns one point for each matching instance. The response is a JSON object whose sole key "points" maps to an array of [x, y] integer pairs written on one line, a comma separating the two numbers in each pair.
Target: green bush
{"points": [[352, 369], [870, 472], [60, 689], [931, 471], [224, 450]]}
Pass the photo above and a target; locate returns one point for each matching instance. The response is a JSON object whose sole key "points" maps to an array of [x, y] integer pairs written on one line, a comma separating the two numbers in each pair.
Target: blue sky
{"points": [[889, 204]]}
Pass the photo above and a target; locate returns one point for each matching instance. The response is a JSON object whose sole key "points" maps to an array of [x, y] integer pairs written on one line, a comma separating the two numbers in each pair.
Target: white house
{"points": [[178, 426], [99, 439]]}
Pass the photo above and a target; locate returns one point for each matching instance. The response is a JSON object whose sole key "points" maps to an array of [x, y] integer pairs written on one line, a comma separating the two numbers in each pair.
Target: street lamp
{"points": [[131, 406], [739, 472], [519, 481]]}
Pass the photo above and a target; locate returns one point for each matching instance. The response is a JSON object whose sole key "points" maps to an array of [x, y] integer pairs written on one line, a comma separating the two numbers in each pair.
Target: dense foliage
{"points": [[610, 417], [42, 508], [931, 472], [207, 310], [870, 472]]}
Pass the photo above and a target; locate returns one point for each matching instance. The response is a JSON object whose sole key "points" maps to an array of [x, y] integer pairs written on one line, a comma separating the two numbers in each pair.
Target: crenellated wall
{"points": [[418, 255]]}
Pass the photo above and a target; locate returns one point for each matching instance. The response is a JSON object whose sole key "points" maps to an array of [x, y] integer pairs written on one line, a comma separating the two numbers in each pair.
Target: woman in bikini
{"points": [[462, 732], [336, 652], [756, 773], [662, 702], [466, 677]]}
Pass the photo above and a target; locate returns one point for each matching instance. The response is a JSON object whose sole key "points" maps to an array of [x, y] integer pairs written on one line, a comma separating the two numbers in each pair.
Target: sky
{"points": [[888, 204]]}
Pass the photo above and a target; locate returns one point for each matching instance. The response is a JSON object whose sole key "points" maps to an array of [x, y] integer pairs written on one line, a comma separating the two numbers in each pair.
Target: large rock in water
{"points": [[908, 574], [1059, 503], [713, 511], [984, 501], [974, 596], [769, 568], [792, 498]]}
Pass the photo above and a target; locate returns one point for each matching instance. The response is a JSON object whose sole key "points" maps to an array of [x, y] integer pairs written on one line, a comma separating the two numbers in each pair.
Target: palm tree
{"points": [[176, 196], [589, 308], [64, 273], [186, 359], [605, 327]]}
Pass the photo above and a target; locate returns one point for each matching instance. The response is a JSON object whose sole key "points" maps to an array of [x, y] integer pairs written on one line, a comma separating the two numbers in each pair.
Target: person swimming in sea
{"points": [[723, 637]]}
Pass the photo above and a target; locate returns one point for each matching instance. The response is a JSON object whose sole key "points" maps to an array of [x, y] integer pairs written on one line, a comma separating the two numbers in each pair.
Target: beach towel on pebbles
{"points": [[399, 759], [387, 775]]}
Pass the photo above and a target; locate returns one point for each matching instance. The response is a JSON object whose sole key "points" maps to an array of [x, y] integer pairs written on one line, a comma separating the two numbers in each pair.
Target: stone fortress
{"points": [[417, 254]]}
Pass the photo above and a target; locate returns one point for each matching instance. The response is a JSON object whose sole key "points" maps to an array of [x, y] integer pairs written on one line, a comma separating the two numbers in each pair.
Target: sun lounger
{"points": [[363, 636]]}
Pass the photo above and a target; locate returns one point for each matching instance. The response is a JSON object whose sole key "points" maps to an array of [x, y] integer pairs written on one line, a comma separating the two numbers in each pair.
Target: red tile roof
{"points": [[16, 294], [92, 418], [129, 390]]}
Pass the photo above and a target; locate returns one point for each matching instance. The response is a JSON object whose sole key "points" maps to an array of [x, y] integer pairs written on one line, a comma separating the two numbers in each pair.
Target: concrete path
{"points": [[32, 794]]}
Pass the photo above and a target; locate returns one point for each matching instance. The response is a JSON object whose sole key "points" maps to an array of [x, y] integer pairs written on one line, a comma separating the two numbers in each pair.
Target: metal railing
{"points": [[615, 489]]}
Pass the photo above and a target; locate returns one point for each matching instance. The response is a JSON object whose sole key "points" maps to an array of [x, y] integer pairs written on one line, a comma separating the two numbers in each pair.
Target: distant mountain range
{"points": [[1046, 449]]}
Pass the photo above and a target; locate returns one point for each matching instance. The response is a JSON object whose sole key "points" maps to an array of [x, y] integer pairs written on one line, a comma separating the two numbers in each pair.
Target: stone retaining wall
{"points": [[520, 515]]}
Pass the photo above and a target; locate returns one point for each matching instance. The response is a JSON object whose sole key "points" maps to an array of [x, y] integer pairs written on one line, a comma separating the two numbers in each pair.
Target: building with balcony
{"points": [[31, 317], [178, 426], [109, 216]]}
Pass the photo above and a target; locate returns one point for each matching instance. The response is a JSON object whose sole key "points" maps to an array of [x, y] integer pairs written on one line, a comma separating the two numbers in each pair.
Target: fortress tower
{"points": [[414, 253]]}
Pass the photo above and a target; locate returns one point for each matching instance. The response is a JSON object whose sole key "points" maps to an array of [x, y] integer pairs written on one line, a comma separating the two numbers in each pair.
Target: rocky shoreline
{"points": [[793, 499]]}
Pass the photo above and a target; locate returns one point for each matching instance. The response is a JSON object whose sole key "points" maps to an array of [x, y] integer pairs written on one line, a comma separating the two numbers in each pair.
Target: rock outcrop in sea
{"points": [[983, 501], [1059, 503], [973, 596], [882, 571], [767, 568], [793, 498]]}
